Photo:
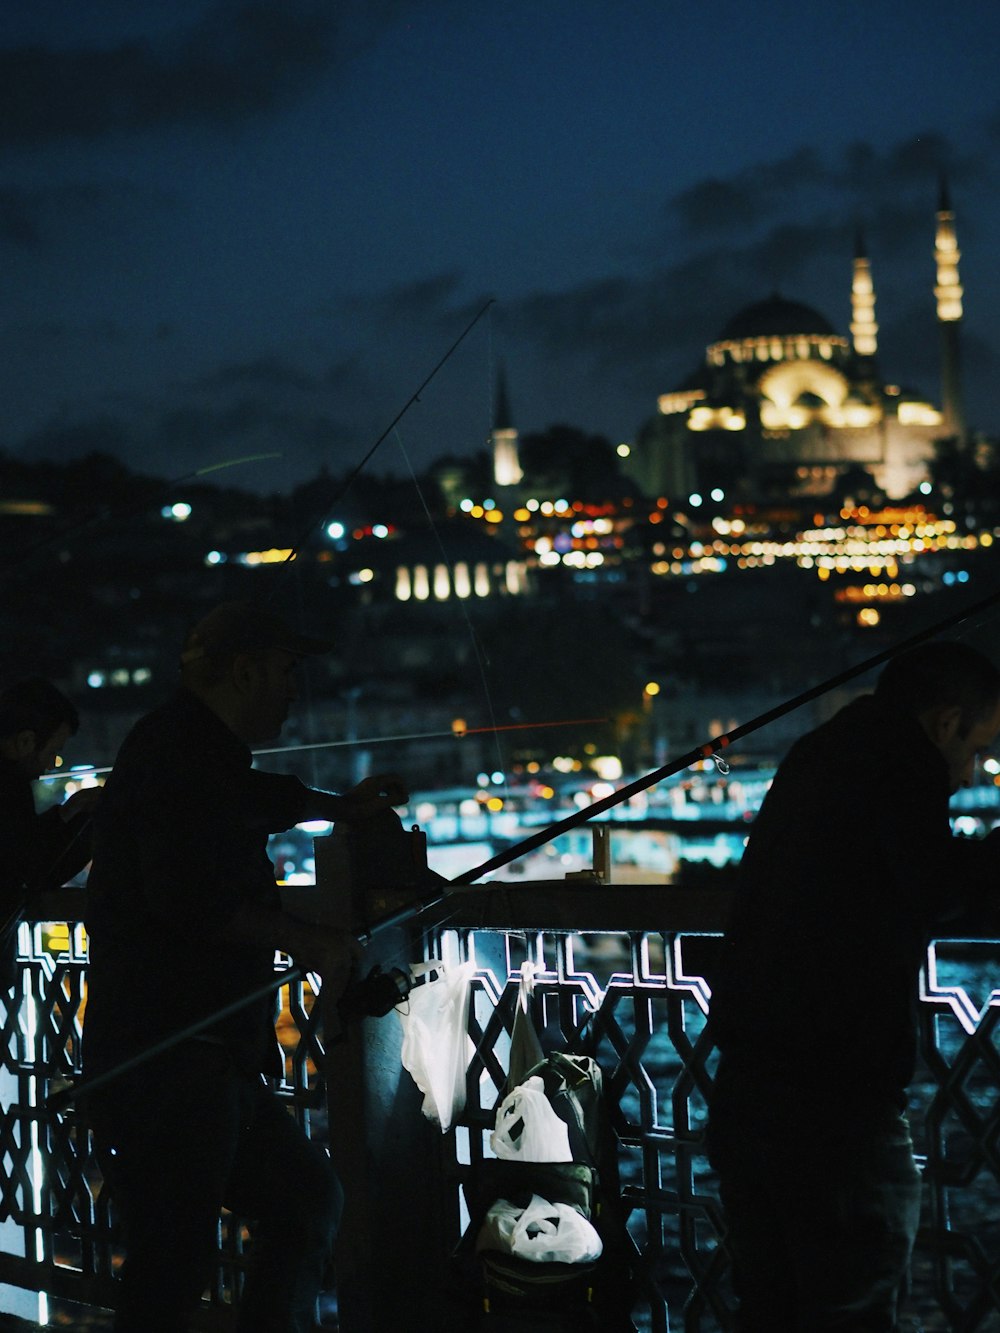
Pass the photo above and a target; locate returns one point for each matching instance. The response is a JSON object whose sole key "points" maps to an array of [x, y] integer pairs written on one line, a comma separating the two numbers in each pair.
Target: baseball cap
{"points": [[245, 627]]}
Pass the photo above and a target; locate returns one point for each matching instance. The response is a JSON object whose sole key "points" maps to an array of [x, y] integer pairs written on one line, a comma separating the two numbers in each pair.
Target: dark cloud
{"points": [[428, 300], [620, 319], [262, 373], [347, 374], [240, 59], [46, 335], [192, 436], [181, 440], [788, 225], [716, 204], [273, 387], [32, 219], [19, 224], [861, 176], [748, 197], [61, 441]]}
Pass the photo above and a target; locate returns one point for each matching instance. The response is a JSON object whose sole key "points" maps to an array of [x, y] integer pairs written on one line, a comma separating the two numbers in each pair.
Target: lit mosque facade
{"points": [[784, 405]]}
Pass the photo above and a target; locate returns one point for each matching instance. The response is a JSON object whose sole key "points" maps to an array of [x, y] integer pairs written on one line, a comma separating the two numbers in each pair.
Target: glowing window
{"points": [[463, 584]]}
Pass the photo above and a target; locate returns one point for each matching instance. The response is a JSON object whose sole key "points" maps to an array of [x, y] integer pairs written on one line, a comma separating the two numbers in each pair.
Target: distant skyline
{"points": [[240, 228]]}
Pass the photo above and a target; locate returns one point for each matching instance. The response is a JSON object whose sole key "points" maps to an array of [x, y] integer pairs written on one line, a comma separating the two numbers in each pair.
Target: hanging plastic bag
{"points": [[436, 1044], [525, 1048], [543, 1232], [528, 1129]]}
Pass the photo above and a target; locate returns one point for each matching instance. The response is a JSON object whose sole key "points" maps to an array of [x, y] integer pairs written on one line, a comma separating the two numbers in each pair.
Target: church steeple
{"points": [[506, 463], [948, 294], [864, 330]]}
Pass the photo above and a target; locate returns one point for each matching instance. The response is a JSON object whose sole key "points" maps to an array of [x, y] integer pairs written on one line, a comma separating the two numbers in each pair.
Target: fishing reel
{"points": [[375, 995], [375, 867]]}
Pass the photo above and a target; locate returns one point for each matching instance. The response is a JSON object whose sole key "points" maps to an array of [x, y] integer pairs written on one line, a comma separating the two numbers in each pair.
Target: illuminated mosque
{"points": [[783, 405]]}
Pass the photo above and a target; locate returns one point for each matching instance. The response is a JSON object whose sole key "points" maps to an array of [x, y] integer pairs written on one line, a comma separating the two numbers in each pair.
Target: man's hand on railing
{"points": [[373, 795]]}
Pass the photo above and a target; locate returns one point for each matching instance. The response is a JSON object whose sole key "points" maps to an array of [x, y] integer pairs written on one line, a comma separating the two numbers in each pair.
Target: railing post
{"points": [[390, 1263]]}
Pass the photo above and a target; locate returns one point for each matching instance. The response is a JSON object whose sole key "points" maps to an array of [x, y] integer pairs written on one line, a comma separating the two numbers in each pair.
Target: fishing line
{"points": [[413, 398], [473, 638], [98, 770], [424, 736]]}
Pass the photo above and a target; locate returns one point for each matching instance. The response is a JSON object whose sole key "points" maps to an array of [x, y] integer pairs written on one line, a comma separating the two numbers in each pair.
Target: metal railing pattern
{"points": [[52, 1188], [641, 1011], [635, 999]]}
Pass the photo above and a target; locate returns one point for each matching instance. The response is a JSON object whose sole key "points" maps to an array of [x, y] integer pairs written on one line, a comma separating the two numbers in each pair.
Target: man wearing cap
{"points": [[184, 918]]}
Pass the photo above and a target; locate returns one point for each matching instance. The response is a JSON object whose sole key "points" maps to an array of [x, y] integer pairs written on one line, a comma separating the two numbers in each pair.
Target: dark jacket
{"points": [[180, 845], [850, 865]]}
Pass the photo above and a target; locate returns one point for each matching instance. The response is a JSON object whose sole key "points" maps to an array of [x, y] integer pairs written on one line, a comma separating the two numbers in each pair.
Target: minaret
{"points": [[506, 464], [864, 330], [948, 294]]}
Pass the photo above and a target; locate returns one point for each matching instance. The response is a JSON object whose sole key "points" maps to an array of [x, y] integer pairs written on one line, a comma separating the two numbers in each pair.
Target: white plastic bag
{"points": [[527, 1127], [543, 1232], [525, 1048], [436, 1044]]}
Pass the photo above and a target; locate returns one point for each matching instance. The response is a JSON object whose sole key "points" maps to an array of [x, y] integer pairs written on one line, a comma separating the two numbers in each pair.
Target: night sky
{"points": [[247, 228]]}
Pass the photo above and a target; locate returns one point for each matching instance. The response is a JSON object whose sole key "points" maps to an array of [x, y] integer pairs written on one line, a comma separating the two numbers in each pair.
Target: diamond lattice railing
{"points": [[635, 999]]}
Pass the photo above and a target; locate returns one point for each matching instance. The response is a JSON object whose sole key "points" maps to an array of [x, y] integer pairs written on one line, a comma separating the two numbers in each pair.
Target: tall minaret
{"points": [[864, 330], [948, 293], [506, 464]]}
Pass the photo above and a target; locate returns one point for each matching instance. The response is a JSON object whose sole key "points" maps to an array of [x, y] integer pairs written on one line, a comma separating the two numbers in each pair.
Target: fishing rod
{"points": [[709, 750], [58, 1101], [359, 467], [376, 994], [714, 747]]}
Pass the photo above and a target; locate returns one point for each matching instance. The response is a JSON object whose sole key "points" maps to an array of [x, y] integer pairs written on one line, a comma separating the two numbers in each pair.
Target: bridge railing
{"points": [[625, 976]]}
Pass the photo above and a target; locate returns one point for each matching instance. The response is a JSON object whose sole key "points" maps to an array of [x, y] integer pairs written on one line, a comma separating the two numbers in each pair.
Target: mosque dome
{"points": [[776, 318]]}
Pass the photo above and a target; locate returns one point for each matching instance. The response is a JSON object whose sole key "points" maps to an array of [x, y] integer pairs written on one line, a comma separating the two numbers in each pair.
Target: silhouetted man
{"points": [[850, 865], [184, 919]]}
